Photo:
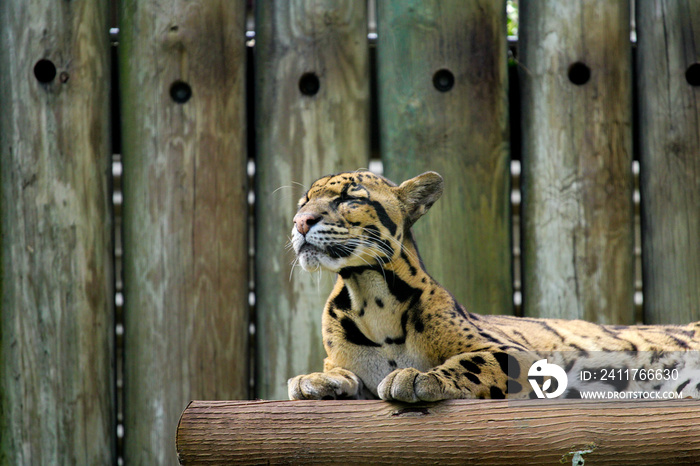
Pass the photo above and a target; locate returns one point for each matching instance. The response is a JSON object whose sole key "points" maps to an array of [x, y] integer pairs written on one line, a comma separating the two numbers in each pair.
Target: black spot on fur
{"points": [[496, 393], [488, 337], [514, 387], [472, 378], [404, 320], [478, 360], [679, 342], [569, 366], [411, 269], [392, 363], [459, 309], [354, 335], [682, 386], [470, 366], [546, 326], [395, 341], [400, 289], [513, 366], [417, 320], [379, 302], [583, 352], [383, 216], [521, 336], [508, 363], [331, 312], [342, 300]]}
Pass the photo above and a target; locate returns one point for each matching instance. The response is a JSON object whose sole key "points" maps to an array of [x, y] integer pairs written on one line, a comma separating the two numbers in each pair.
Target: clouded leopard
{"points": [[391, 331]]}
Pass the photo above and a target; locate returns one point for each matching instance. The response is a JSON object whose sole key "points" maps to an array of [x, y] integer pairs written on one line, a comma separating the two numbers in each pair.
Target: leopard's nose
{"points": [[305, 221]]}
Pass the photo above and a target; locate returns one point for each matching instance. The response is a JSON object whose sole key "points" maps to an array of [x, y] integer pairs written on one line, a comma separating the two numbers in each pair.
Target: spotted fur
{"points": [[391, 331]]}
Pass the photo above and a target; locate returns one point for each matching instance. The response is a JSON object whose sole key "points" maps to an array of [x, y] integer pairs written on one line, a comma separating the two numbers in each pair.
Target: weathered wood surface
{"points": [[56, 312], [494, 432], [577, 160], [185, 229], [669, 143], [460, 131], [301, 137]]}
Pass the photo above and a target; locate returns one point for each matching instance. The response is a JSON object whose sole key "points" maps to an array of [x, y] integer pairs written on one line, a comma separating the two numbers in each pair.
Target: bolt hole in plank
{"points": [[443, 80], [309, 84], [180, 92], [579, 73], [45, 71], [692, 74]]}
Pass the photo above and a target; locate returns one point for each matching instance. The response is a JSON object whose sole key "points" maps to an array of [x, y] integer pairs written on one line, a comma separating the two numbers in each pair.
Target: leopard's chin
{"points": [[313, 259]]}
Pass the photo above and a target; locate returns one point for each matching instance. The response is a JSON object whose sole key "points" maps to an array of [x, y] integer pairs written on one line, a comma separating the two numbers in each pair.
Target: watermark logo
{"points": [[545, 372]]}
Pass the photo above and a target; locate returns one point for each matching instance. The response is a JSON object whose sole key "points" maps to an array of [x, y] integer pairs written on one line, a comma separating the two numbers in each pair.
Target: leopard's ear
{"points": [[419, 194]]}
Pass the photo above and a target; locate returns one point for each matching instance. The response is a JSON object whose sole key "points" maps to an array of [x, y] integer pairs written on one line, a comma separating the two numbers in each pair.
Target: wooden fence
{"points": [[576, 106]]}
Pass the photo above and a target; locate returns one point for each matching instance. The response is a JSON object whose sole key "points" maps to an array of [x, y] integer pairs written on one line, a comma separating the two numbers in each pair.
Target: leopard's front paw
{"points": [[411, 385], [324, 386]]}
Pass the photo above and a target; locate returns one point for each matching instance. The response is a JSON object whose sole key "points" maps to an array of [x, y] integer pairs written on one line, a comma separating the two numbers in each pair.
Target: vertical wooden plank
{"points": [[578, 230], [56, 307], [668, 72], [443, 107], [182, 81], [312, 115]]}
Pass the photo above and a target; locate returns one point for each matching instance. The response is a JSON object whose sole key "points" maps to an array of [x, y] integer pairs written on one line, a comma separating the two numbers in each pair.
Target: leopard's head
{"points": [[359, 218]]}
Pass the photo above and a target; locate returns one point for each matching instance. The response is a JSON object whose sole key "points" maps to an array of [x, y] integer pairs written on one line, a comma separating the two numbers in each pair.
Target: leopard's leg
{"points": [[467, 375], [333, 383]]}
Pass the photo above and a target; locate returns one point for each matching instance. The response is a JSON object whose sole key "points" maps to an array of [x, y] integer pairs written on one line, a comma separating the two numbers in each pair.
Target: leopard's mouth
{"points": [[309, 248], [334, 251], [329, 256], [311, 257]]}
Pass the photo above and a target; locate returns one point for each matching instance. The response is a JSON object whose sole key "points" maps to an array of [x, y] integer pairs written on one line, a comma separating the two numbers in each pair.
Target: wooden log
{"points": [[182, 76], [577, 211], [494, 432], [668, 73], [56, 304], [312, 114], [443, 106]]}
